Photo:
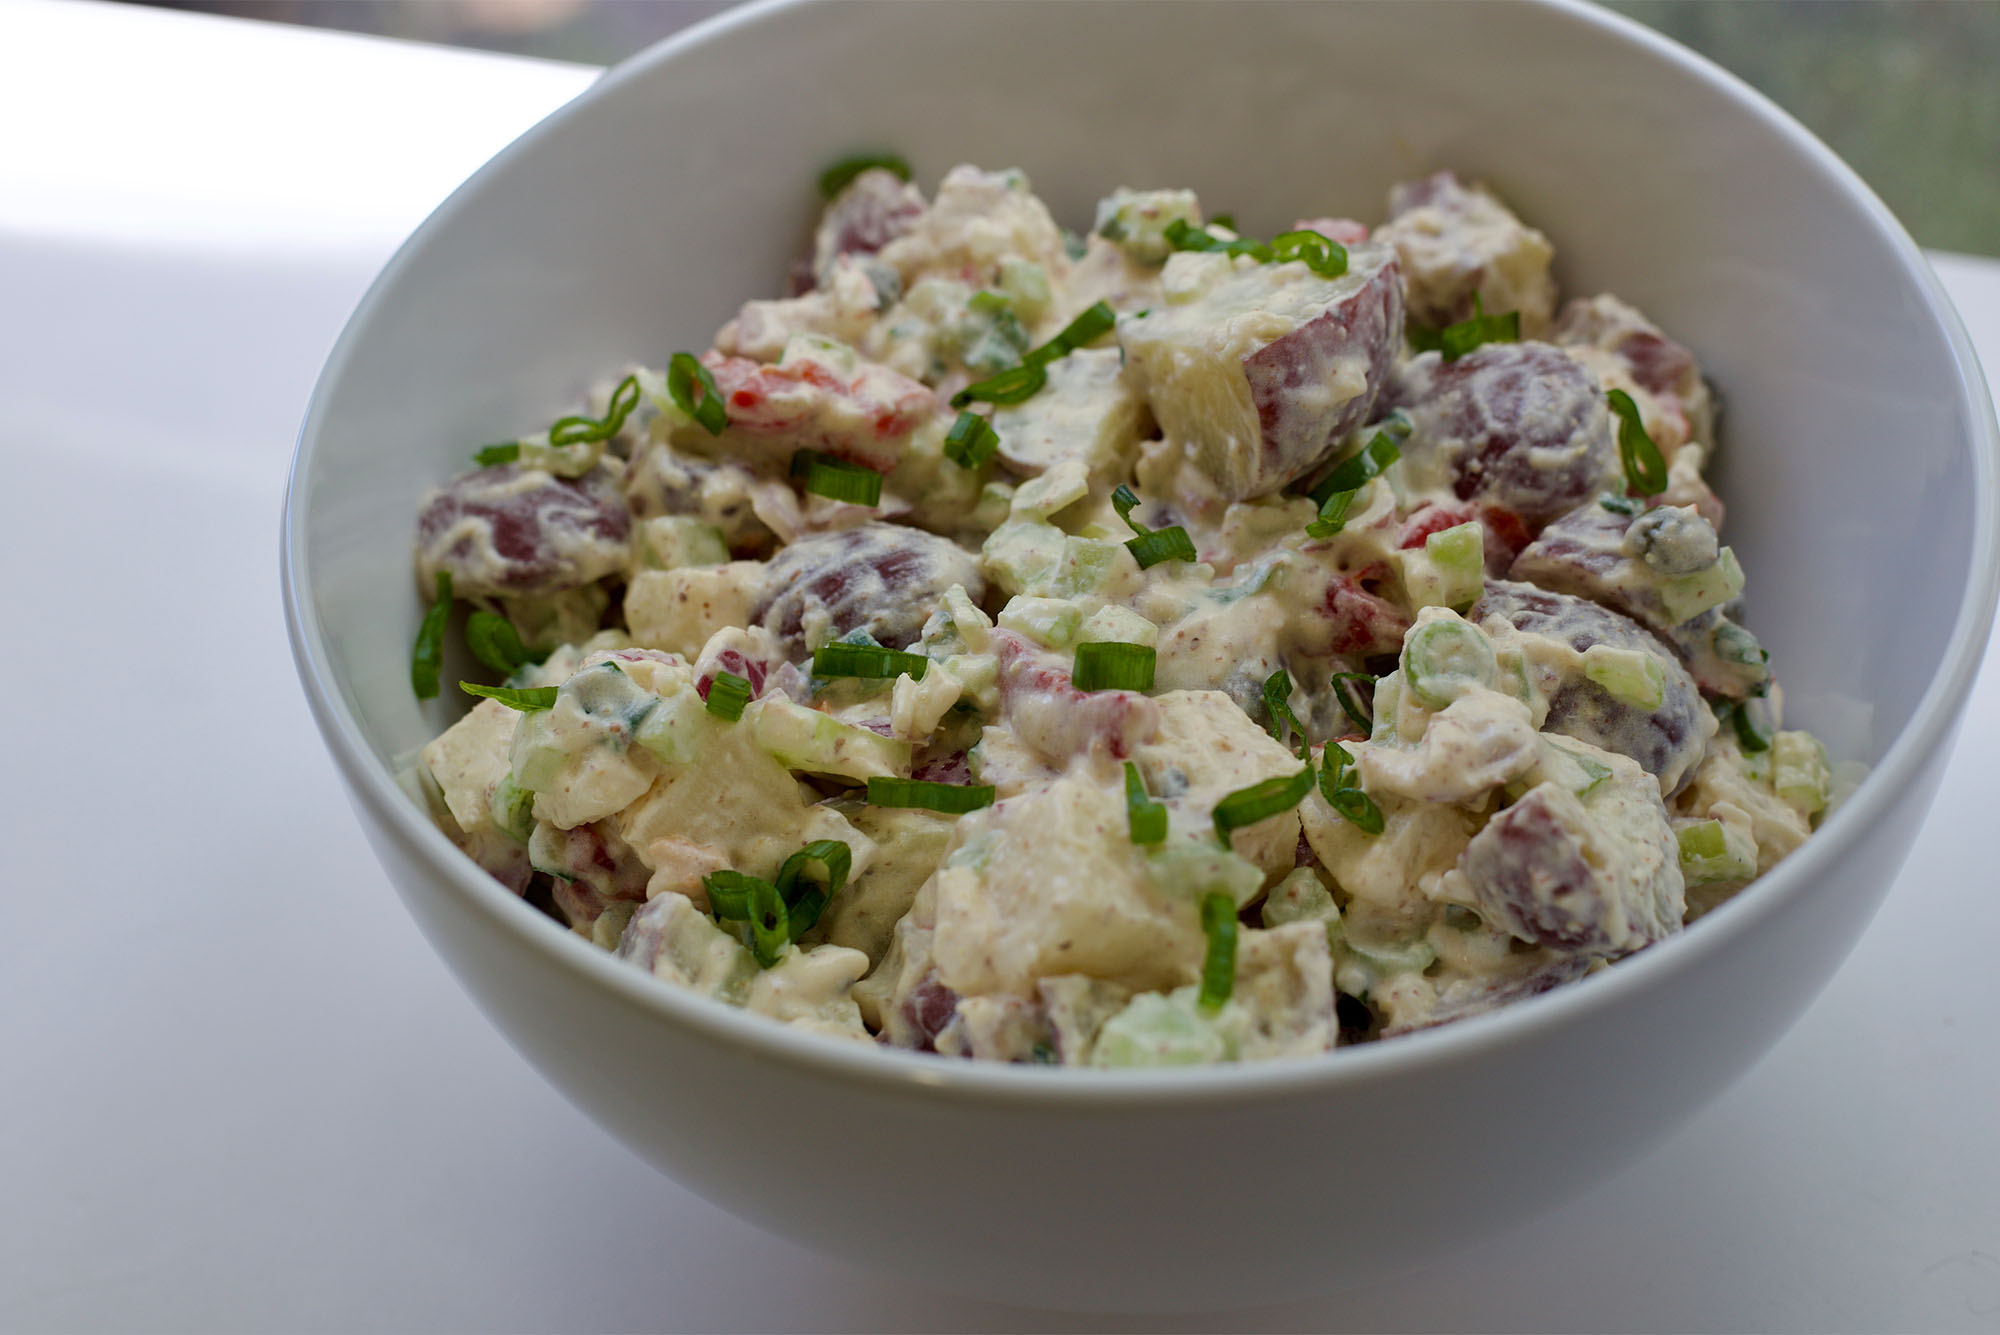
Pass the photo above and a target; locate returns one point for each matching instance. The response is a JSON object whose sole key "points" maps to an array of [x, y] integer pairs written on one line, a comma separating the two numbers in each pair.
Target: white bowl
{"points": [[1859, 465]]}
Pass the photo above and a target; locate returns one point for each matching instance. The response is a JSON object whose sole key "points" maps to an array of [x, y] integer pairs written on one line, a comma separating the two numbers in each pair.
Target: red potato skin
{"points": [[1287, 372], [881, 578], [776, 402], [876, 208], [1362, 624], [1055, 718], [1532, 879], [558, 535], [1519, 426], [1505, 535], [733, 661]]}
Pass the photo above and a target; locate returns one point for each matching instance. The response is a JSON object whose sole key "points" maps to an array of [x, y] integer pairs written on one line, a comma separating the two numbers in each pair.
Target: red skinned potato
{"points": [[879, 578], [821, 395], [509, 531], [874, 209], [1458, 242], [1518, 426], [1040, 701], [1259, 370]]}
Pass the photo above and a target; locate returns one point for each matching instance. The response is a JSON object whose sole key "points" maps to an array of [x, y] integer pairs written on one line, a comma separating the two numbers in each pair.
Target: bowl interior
{"points": [[1856, 461]]}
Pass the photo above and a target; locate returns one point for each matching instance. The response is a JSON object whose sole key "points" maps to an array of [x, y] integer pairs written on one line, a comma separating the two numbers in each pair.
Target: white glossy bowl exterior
{"points": [[1859, 467]]}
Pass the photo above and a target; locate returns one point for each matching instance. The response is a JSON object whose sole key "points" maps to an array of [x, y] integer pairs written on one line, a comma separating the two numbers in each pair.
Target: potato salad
{"points": [[1160, 645]]}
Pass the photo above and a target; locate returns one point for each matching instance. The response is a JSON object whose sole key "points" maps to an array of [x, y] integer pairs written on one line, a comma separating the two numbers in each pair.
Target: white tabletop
{"points": [[236, 1088]]}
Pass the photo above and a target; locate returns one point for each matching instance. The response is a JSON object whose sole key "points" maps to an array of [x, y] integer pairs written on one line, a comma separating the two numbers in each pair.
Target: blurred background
{"points": [[1907, 91]]}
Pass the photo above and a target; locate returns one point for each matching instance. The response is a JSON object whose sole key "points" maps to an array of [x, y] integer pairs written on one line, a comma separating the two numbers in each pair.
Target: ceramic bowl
{"points": [[1859, 463]]}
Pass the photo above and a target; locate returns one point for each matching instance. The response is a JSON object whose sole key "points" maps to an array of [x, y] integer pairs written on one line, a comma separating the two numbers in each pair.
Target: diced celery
{"points": [[1450, 569], [978, 679], [1631, 676], [1060, 487], [806, 739], [1113, 624], [1194, 867], [1300, 898], [666, 542], [535, 757], [1688, 596], [673, 731], [1021, 554], [1026, 285], [1048, 621], [512, 809], [1087, 565], [1163, 1030], [1711, 851], [1799, 770]]}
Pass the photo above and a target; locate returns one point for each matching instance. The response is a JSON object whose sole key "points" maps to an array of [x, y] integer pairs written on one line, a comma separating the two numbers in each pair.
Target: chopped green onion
{"points": [[952, 799], [1260, 801], [867, 660], [1454, 341], [1218, 968], [837, 479], [1367, 463], [1113, 666], [490, 456], [727, 694], [1322, 254], [1166, 544], [583, 430], [988, 302], [732, 894], [1225, 220], [685, 372], [1153, 545], [1278, 706], [1332, 515], [1181, 236], [527, 701], [804, 899], [1016, 385], [494, 641], [427, 654], [1094, 323], [1362, 717], [1620, 505], [1645, 469], [1753, 726], [1346, 798], [842, 173], [971, 441], [1146, 818]]}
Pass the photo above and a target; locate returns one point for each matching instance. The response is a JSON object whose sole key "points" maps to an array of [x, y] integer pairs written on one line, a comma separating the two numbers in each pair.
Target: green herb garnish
{"points": [[505, 452], [1113, 666], [584, 430], [1620, 505], [1337, 784], [971, 441], [1362, 716], [1020, 383], [842, 173], [494, 642], [837, 479], [1260, 801], [684, 373], [1146, 818], [727, 695], [1218, 967], [1153, 545], [1645, 469], [952, 799], [1322, 254], [1455, 340], [1278, 707], [867, 660], [527, 700], [427, 654]]}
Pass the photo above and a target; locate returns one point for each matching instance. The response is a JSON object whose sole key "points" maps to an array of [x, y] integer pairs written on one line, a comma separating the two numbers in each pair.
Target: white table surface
{"points": [[236, 1088]]}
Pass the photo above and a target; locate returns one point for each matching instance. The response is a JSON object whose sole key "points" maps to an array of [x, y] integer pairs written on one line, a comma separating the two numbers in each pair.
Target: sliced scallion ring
{"points": [[1351, 704], [727, 695], [1015, 385], [1218, 967], [1113, 666], [1645, 469], [867, 660], [1146, 818], [583, 430], [1260, 801], [842, 173], [837, 479], [1162, 544], [684, 374], [971, 441], [951, 799]]}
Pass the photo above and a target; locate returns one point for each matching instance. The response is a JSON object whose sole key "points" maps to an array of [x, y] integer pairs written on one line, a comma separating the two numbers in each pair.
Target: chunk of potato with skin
{"points": [[1411, 1002], [1204, 749], [1588, 553], [1088, 411], [1056, 886], [843, 307], [1599, 879], [1556, 630], [879, 578], [820, 395], [593, 871], [673, 939], [977, 219], [664, 481], [874, 209], [469, 759], [1040, 703], [508, 531], [1629, 352], [1077, 1006], [812, 990], [1284, 984], [1261, 373], [1522, 426], [1456, 243], [1476, 743], [680, 610]]}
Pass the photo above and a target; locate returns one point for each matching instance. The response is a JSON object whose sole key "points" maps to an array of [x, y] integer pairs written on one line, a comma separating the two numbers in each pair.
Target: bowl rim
{"points": [[1931, 724]]}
